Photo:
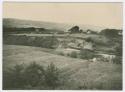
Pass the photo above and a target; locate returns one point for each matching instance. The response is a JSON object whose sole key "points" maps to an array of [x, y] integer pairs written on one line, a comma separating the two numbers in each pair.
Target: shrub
{"points": [[13, 78], [46, 42], [52, 76], [86, 54], [50, 42], [73, 54], [33, 76], [89, 39], [119, 49], [117, 60], [110, 32], [61, 53]]}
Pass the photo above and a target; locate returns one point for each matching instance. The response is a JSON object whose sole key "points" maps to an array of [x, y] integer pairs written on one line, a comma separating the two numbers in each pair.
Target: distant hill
{"points": [[19, 23]]}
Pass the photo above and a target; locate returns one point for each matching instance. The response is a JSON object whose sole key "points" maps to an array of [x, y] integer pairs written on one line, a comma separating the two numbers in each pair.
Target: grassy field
{"points": [[82, 74]]}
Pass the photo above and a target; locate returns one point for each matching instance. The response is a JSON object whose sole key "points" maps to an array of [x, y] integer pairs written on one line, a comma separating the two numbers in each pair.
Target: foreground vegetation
{"points": [[35, 76], [31, 77], [72, 73]]}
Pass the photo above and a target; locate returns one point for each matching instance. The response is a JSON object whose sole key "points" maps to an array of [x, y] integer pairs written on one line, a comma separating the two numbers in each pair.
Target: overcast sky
{"points": [[98, 14]]}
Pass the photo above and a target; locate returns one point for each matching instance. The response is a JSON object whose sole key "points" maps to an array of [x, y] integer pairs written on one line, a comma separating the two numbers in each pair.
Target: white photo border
{"points": [[1, 43]]}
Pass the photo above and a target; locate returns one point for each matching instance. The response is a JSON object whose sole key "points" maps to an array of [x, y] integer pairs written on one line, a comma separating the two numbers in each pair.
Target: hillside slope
{"points": [[19, 23]]}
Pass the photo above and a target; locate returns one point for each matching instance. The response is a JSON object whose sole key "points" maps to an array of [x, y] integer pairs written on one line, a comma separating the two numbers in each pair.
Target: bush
{"points": [[33, 76], [89, 39], [110, 32], [117, 60], [86, 54], [13, 78], [119, 49], [73, 54], [50, 42], [61, 53], [46, 42], [52, 76]]}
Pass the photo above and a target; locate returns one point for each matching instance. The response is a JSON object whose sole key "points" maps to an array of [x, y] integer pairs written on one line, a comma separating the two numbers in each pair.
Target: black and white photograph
{"points": [[62, 46]]}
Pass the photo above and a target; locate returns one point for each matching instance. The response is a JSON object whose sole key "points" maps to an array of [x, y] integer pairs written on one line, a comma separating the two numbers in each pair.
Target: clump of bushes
{"points": [[13, 78], [118, 53], [33, 76], [119, 49], [52, 76], [73, 54], [46, 42], [61, 53], [110, 32], [86, 54], [89, 39], [117, 60]]}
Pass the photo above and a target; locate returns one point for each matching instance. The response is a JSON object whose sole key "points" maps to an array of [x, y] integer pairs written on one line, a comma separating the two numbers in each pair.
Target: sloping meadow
{"points": [[75, 73]]}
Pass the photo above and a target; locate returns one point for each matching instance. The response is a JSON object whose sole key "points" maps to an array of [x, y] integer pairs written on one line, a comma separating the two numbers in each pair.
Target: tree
{"points": [[52, 76], [110, 32], [80, 30], [74, 29], [34, 74]]}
